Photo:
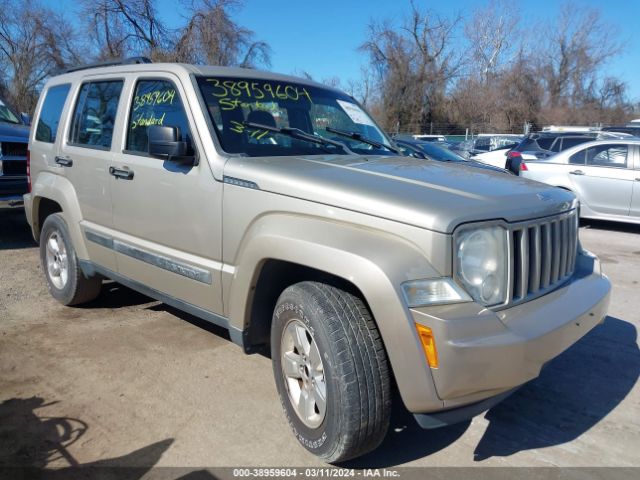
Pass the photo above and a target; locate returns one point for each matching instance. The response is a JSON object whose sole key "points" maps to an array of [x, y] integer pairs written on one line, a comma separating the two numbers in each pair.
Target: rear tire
{"points": [[65, 279], [324, 342]]}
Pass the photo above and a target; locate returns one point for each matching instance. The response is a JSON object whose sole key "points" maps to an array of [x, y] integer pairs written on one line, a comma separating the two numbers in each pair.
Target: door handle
{"points": [[577, 172], [123, 173], [64, 161]]}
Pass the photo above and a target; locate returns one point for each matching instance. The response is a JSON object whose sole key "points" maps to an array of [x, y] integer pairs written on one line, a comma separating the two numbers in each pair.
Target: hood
{"points": [[10, 132], [424, 193]]}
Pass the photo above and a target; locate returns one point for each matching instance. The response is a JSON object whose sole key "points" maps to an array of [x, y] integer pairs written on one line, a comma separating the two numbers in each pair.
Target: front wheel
{"points": [[331, 371], [65, 279]]}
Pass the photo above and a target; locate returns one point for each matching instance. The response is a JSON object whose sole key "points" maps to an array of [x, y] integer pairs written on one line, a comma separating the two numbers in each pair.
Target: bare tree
{"points": [[34, 42], [573, 53], [414, 64], [492, 33], [212, 37], [126, 27]]}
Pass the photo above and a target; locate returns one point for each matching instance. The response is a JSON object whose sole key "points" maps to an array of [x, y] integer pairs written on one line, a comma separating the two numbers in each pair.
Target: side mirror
{"points": [[26, 118], [165, 142]]}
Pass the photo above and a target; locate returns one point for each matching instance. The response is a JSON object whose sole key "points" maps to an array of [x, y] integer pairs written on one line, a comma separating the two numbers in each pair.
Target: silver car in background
{"points": [[604, 175]]}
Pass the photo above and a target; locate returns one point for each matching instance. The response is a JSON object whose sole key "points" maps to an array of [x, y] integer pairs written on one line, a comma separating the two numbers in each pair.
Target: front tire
{"points": [[331, 371], [65, 279]]}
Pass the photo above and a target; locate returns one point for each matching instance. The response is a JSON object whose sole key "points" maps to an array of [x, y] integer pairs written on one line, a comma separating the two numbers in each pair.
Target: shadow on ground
{"points": [[14, 230], [572, 394], [611, 226], [406, 441], [193, 320], [115, 295], [30, 442]]}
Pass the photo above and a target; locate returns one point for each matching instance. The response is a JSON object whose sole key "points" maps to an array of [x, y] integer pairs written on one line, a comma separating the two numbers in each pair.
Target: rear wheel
{"points": [[65, 280], [330, 370]]}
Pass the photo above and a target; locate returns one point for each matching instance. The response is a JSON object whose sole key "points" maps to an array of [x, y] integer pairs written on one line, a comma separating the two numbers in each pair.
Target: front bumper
{"points": [[484, 353]]}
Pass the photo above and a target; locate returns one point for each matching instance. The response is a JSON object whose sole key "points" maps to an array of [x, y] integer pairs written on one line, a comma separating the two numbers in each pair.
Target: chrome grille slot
{"points": [[543, 256]]}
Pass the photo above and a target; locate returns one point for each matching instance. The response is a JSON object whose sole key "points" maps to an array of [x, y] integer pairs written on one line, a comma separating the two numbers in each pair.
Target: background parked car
{"points": [[604, 175], [433, 151], [541, 145], [488, 149], [14, 136]]}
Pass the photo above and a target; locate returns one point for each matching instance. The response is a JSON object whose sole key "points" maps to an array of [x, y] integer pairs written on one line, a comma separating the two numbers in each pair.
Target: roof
{"points": [[183, 68]]}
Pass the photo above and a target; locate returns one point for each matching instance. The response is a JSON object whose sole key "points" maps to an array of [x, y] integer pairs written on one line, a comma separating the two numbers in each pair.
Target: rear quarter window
{"points": [[49, 119]]}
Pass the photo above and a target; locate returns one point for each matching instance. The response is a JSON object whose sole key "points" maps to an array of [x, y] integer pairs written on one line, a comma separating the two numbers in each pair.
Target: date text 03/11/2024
{"points": [[315, 472]]}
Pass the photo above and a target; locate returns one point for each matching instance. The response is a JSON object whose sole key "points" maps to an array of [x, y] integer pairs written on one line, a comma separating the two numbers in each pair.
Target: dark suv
{"points": [[14, 137], [541, 145]]}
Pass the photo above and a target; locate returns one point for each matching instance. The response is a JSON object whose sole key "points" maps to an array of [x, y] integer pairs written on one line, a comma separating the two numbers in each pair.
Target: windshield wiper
{"points": [[360, 138], [298, 134]]}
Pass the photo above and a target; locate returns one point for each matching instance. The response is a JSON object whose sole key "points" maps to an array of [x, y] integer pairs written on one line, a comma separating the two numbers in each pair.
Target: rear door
{"points": [[602, 176], [85, 156], [167, 215]]}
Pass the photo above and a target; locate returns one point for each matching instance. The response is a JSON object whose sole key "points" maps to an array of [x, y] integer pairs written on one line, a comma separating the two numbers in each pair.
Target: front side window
{"points": [[47, 127], [156, 102], [607, 156], [283, 105], [95, 114]]}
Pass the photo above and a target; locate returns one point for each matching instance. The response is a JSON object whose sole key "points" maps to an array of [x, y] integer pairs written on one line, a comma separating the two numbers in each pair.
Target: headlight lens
{"points": [[481, 263]]}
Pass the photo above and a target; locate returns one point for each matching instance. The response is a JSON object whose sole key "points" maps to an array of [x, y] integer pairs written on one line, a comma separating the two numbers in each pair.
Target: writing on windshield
{"points": [[282, 105]]}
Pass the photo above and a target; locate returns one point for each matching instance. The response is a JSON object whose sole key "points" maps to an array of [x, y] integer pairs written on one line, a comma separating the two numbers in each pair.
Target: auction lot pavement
{"points": [[128, 381]]}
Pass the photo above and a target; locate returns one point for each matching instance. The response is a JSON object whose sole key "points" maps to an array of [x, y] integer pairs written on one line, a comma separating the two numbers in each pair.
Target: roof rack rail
{"points": [[109, 63]]}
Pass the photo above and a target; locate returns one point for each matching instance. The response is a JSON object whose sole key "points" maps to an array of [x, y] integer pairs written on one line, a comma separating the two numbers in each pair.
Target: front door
{"points": [[167, 215]]}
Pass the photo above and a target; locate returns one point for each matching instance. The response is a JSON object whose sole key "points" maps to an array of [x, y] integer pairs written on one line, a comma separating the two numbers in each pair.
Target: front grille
{"points": [[13, 167], [543, 256], [14, 149]]}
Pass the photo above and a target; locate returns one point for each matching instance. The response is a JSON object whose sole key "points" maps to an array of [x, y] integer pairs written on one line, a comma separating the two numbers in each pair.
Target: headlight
{"points": [[481, 263]]}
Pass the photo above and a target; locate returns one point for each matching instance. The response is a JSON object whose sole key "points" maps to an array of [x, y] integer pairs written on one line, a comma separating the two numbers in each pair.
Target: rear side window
{"points": [[156, 102], [607, 156], [95, 114], [47, 126]]}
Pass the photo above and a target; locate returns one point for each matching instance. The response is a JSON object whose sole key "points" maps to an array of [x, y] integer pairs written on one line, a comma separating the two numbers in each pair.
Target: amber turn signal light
{"points": [[429, 344]]}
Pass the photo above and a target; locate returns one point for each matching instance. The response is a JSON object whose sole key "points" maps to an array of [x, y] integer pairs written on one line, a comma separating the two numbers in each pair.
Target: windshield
{"points": [[234, 102], [6, 115], [438, 153]]}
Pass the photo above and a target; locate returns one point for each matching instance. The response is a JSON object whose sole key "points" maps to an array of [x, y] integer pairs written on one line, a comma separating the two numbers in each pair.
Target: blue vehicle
{"points": [[14, 138]]}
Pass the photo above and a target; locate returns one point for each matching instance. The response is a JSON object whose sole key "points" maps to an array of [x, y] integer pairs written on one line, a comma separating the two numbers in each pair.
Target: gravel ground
{"points": [[127, 381]]}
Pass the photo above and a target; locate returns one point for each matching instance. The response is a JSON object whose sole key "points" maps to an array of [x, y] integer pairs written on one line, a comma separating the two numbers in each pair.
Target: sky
{"points": [[321, 37]]}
